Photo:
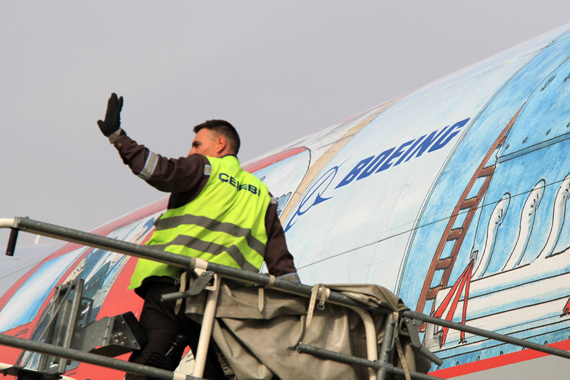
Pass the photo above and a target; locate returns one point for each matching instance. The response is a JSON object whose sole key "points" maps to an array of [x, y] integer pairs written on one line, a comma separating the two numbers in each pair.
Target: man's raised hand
{"points": [[112, 121]]}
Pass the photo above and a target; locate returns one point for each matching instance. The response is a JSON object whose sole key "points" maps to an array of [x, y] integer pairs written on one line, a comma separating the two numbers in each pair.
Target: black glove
{"points": [[113, 116]]}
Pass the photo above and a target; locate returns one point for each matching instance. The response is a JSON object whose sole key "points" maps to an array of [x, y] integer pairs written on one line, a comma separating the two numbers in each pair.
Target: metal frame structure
{"points": [[375, 362], [60, 327]]}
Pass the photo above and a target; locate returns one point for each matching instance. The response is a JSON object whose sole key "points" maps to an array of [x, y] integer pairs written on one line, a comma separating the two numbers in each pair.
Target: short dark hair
{"points": [[223, 128]]}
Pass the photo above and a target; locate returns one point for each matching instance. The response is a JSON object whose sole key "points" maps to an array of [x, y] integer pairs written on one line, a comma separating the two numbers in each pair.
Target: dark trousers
{"points": [[161, 326]]}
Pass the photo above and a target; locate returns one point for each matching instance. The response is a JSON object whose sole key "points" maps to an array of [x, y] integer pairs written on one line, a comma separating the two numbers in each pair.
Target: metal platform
{"points": [[376, 361]]}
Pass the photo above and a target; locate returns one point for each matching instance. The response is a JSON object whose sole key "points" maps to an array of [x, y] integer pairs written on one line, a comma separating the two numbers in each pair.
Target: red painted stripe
{"points": [[265, 162], [497, 361], [141, 213]]}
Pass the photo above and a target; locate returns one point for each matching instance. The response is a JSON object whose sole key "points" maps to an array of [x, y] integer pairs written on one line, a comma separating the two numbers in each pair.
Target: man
{"points": [[216, 211]]}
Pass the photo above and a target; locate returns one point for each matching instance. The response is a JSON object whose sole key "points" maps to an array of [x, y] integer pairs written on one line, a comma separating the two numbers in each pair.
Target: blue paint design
{"points": [[314, 196], [535, 150]]}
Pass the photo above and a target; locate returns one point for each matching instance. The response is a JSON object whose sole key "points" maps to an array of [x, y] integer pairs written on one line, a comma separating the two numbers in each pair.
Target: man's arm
{"points": [[173, 175], [185, 174], [278, 259]]}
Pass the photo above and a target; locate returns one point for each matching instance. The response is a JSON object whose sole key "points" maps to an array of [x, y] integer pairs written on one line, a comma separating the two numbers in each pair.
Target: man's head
{"points": [[215, 138]]}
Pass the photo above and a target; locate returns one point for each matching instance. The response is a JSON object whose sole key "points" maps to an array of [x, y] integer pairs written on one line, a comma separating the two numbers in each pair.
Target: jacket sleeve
{"points": [[278, 259], [173, 175]]}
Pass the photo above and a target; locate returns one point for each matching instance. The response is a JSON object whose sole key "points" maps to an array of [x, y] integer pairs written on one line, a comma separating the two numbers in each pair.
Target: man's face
{"points": [[205, 143]]}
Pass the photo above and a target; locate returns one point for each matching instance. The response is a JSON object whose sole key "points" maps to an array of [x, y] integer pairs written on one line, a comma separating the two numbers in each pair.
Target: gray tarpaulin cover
{"points": [[261, 344]]}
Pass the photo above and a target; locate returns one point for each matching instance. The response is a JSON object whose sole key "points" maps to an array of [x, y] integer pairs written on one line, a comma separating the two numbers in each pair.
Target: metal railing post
{"points": [[371, 339], [206, 332], [387, 345]]}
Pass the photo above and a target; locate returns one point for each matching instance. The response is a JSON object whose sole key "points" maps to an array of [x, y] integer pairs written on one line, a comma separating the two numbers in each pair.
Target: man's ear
{"points": [[221, 144]]}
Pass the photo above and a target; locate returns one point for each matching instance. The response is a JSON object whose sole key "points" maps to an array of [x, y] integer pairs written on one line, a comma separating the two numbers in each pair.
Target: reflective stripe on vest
{"points": [[225, 224]]}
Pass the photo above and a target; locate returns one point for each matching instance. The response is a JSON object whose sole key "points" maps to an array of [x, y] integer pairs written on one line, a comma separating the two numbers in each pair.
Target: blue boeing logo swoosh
{"points": [[314, 196]]}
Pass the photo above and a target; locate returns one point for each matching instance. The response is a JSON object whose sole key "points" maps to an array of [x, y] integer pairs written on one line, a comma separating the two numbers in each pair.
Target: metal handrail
{"points": [[98, 360], [191, 263], [188, 263], [343, 358], [486, 334]]}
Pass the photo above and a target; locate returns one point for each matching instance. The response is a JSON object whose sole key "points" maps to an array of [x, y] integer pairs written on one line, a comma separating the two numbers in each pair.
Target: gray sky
{"points": [[277, 70]]}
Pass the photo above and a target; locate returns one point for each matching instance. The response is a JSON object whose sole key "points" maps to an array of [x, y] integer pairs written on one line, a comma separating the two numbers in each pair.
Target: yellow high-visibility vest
{"points": [[225, 224]]}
